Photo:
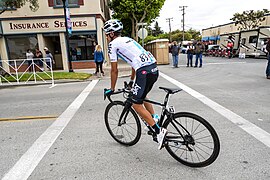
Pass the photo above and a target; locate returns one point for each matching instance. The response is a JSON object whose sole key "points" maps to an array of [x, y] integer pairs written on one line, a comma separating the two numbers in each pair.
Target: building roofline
{"points": [[51, 17], [226, 24]]}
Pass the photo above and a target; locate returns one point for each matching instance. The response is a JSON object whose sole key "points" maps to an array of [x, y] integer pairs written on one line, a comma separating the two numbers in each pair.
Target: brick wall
{"points": [[83, 65]]}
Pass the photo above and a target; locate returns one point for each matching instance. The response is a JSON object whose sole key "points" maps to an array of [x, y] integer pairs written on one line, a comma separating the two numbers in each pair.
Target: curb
{"points": [[40, 83]]}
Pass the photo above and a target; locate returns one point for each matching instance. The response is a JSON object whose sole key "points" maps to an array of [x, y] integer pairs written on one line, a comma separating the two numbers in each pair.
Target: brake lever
{"points": [[125, 84]]}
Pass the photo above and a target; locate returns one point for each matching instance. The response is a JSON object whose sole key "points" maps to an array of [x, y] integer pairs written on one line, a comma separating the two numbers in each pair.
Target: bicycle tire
{"points": [[199, 146], [126, 134]]}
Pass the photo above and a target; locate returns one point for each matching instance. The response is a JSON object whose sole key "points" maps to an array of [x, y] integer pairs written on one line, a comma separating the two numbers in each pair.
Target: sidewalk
{"points": [[123, 70]]}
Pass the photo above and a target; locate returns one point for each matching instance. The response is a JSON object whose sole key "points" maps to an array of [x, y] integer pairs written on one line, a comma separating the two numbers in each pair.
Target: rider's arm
{"points": [[114, 75], [132, 77]]}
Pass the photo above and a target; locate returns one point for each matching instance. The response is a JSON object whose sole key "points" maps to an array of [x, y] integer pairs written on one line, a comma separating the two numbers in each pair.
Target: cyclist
{"points": [[144, 68]]}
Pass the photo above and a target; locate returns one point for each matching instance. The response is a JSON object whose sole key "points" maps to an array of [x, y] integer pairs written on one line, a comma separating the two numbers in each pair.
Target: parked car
{"points": [[214, 47], [213, 50]]}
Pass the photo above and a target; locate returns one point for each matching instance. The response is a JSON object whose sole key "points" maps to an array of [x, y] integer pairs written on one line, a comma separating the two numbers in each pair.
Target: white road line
{"points": [[244, 124], [29, 161], [216, 63], [225, 63]]}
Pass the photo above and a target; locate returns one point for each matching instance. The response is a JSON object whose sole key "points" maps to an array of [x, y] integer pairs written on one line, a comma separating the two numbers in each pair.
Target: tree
{"points": [[196, 35], [136, 11], [190, 34], [11, 4], [249, 19], [157, 30]]}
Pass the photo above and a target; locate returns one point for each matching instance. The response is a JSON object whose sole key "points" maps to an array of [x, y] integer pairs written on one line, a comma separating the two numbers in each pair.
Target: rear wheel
{"points": [[199, 144], [128, 131]]}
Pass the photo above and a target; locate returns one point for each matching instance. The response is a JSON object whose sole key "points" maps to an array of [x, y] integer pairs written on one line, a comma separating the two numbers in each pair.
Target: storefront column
{"points": [[4, 54], [64, 51], [41, 43]]}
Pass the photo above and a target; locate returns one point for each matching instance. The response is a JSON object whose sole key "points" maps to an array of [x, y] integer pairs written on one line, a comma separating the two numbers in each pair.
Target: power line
{"points": [[169, 20]]}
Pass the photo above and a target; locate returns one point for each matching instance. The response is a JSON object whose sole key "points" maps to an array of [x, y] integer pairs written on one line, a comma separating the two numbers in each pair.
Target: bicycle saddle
{"points": [[170, 90]]}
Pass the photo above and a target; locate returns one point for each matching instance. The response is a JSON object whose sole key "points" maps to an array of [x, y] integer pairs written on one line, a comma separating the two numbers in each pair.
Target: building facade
{"points": [[213, 33], [22, 29]]}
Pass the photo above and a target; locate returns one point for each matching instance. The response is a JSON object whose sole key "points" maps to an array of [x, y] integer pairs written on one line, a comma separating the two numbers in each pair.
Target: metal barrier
{"points": [[12, 71]]}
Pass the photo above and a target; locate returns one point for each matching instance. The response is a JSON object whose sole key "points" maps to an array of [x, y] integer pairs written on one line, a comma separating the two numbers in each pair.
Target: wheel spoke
{"points": [[126, 132], [203, 144], [199, 132], [200, 153], [195, 128], [203, 137], [200, 146]]}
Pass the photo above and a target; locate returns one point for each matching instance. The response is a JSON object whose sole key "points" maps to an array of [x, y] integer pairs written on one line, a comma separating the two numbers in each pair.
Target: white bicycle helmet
{"points": [[113, 25]]}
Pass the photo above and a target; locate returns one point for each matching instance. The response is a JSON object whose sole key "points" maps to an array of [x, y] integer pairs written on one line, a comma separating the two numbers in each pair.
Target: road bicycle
{"points": [[191, 140]]}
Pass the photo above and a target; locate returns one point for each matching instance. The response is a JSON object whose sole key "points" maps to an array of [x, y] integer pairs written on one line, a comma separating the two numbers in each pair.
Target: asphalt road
{"points": [[83, 149]]}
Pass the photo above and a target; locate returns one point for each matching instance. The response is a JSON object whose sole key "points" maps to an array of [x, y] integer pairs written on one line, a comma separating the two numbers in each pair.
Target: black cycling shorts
{"points": [[145, 79]]}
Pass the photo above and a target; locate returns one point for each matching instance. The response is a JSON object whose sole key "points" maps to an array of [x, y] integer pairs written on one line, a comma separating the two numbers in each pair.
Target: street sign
{"points": [[143, 33]]}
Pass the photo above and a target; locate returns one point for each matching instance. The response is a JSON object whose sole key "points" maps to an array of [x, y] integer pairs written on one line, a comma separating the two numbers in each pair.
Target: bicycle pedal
{"points": [[150, 133]]}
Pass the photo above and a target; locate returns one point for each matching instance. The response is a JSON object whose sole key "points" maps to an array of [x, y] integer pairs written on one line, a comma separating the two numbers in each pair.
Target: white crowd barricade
{"points": [[12, 71]]}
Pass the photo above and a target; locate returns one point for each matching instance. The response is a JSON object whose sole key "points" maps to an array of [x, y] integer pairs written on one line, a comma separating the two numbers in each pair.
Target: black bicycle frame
{"points": [[168, 114], [128, 103]]}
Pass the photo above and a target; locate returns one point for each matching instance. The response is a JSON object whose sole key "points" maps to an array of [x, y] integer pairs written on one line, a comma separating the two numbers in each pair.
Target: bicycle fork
{"points": [[124, 113]]}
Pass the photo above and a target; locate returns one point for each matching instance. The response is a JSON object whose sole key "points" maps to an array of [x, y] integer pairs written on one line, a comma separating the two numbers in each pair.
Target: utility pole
{"points": [[169, 20], [182, 8]]}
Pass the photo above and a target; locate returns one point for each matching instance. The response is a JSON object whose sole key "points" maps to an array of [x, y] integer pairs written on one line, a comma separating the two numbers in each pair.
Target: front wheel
{"points": [[126, 132], [191, 140]]}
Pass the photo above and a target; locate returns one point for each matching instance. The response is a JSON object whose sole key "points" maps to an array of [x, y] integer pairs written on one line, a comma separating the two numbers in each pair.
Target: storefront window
{"points": [[82, 47], [17, 45], [253, 39], [70, 2]]}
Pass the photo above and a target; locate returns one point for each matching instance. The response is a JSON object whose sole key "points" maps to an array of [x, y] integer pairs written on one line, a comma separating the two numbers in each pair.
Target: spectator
{"points": [[73, 54], [29, 57], [39, 56], [49, 58], [99, 58], [175, 49], [190, 51], [199, 48], [268, 58]]}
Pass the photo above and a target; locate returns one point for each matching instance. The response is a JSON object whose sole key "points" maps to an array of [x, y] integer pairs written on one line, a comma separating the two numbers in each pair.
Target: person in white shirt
{"points": [[29, 59], [143, 66], [190, 52]]}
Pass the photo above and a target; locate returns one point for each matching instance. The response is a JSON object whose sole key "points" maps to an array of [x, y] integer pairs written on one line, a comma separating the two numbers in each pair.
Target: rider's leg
{"points": [[145, 114], [149, 107], [147, 117]]}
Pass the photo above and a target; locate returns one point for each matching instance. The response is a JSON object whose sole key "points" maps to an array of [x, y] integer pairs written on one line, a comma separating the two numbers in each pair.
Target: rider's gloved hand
{"points": [[108, 92], [130, 84]]}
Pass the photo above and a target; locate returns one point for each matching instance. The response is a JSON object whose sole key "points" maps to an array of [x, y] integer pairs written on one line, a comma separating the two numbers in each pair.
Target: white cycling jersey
{"points": [[130, 51]]}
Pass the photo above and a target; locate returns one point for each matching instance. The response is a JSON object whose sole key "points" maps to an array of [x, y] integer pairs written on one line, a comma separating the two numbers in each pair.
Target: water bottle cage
{"points": [[171, 109]]}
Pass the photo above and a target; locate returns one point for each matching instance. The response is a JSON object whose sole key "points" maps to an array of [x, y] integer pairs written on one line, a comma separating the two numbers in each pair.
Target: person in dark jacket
{"points": [[190, 52], [175, 50], [199, 48], [268, 58], [99, 58]]}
